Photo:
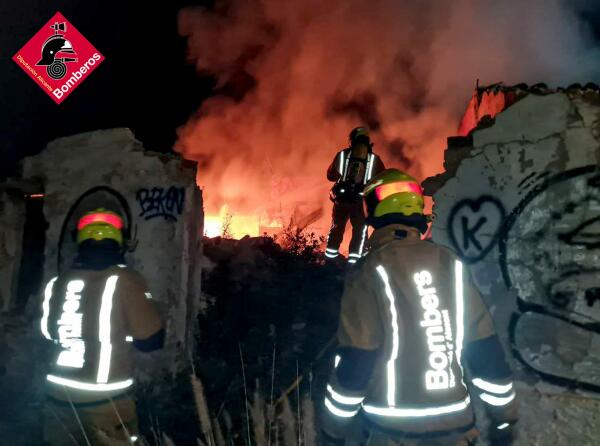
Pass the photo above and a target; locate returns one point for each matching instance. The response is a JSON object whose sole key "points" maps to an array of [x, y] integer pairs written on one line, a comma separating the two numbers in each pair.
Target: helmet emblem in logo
{"points": [[54, 51]]}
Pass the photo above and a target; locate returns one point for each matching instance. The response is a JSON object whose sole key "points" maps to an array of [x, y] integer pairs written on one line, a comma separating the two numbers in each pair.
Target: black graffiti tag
{"points": [[161, 202], [469, 234], [553, 308], [586, 234], [569, 238], [475, 225]]}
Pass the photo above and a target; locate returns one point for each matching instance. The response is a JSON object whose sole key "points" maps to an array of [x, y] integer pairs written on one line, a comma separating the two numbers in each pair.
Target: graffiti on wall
{"points": [[549, 251], [474, 226], [162, 202]]}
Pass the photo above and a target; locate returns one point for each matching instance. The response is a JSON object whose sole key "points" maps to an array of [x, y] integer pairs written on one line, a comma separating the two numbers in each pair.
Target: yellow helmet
{"points": [[391, 195], [100, 224]]}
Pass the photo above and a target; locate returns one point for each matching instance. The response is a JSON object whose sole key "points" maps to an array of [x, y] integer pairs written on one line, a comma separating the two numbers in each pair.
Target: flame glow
{"points": [[293, 78], [236, 226]]}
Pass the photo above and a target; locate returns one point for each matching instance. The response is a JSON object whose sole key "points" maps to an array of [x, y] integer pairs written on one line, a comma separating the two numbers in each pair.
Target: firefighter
{"points": [[351, 169], [94, 314], [410, 322]]}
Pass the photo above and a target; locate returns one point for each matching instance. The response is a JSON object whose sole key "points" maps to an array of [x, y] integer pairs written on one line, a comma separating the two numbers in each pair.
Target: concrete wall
{"points": [[165, 205], [12, 220], [520, 202]]}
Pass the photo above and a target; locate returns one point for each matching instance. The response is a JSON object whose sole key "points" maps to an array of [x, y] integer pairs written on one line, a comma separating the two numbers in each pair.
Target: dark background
{"points": [[144, 83]]}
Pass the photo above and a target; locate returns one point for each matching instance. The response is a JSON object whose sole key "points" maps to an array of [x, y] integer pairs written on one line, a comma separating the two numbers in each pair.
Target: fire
{"points": [[265, 152], [293, 78], [234, 226], [227, 224], [213, 226], [488, 103]]}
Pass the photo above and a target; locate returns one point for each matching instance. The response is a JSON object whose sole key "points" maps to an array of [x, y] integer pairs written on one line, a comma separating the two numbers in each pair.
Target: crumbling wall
{"points": [[12, 220], [520, 202], [166, 212], [164, 201]]}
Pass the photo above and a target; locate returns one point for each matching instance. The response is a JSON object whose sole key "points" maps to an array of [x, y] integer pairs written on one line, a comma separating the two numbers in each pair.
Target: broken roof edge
{"points": [[483, 116], [112, 137], [92, 137], [458, 148], [538, 88]]}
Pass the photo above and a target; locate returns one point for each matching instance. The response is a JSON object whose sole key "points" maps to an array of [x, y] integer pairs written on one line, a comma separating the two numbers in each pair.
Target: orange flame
{"points": [[238, 226], [292, 79]]}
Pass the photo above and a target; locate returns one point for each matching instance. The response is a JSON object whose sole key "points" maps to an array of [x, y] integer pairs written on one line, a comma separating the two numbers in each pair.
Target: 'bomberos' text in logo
{"points": [[58, 58], [438, 332]]}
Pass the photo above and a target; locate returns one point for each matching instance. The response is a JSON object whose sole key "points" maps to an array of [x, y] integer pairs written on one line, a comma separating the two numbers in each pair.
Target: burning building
{"points": [[292, 79], [518, 201]]}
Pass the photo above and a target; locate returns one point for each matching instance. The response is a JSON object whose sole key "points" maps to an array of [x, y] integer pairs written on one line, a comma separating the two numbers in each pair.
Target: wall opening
{"points": [[31, 270]]}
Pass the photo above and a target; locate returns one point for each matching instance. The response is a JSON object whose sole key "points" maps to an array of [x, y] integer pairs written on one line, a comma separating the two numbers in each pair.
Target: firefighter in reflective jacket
{"points": [[93, 314], [351, 169], [410, 322]]}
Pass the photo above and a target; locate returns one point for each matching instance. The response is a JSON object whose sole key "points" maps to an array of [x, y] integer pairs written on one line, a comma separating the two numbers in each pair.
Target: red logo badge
{"points": [[58, 58]]}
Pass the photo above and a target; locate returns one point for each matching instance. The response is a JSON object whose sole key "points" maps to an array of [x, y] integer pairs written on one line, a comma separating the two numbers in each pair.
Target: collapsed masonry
{"points": [[159, 197], [162, 205], [520, 202]]}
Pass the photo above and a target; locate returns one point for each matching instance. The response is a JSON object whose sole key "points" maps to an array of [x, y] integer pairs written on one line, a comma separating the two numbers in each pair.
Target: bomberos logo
{"points": [[58, 58], [69, 328], [438, 334]]}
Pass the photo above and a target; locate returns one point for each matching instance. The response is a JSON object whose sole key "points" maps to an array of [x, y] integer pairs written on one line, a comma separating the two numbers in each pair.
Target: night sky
{"points": [[144, 83]]}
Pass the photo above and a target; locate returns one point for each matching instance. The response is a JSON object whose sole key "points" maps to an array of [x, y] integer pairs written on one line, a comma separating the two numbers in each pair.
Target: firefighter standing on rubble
{"points": [[410, 321], [94, 313], [351, 169]]}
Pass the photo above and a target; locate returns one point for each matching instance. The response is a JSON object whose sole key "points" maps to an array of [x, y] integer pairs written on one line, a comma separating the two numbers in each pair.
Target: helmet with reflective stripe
{"points": [[393, 193], [100, 224], [359, 134]]}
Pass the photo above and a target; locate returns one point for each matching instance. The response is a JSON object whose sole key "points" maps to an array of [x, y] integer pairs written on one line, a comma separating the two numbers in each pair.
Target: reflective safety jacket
{"points": [[410, 322], [93, 317], [346, 166]]}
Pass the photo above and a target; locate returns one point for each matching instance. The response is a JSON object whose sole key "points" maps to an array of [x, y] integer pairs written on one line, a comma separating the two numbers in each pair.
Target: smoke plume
{"points": [[294, 77]]}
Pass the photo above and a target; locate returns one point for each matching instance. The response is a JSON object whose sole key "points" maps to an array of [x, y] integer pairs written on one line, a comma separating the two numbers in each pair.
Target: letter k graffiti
{"points": [[469, 234]]}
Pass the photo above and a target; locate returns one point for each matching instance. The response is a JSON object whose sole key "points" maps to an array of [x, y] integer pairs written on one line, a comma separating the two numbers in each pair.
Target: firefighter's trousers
{"points": [[377, 438], [342, 212], [104, 423]]}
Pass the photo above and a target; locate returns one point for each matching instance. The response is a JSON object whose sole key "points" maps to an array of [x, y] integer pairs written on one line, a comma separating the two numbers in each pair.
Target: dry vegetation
{"points": [[263, 348]]}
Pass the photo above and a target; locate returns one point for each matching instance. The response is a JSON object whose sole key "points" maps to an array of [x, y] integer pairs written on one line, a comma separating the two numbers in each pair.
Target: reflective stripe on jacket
{"points": [[411, 306], [339, 166], [92, 316]]}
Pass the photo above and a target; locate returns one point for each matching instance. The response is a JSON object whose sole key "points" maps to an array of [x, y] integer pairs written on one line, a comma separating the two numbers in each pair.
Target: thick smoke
{"points": [[293, 77]]}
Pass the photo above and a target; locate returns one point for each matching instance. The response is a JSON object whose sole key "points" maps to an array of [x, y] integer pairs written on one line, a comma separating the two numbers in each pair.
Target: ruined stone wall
{"points": [[166, 209], [164, 202], [520, 202], [12, 220]]}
